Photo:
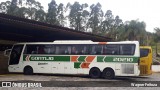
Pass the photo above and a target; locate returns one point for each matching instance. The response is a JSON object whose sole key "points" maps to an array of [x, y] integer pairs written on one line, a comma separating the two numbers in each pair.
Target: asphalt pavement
{"points": [[78, 82]]}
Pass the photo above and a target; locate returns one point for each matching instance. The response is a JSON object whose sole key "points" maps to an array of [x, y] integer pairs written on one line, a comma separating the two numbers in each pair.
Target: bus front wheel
{"points": [[94, 73], [28, 70], [108, 73]]}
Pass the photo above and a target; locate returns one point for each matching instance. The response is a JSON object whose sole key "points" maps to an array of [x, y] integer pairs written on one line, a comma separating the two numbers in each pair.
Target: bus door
{"points": [[145, 61], [14, 59]]}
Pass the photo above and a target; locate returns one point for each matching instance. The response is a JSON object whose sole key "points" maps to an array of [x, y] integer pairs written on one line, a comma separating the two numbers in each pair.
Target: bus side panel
{"points": [[57, 67], [42, 67], [69, 68]]}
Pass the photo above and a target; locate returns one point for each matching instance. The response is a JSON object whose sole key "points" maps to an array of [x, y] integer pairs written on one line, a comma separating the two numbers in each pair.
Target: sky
{"points": [[143, 10]]}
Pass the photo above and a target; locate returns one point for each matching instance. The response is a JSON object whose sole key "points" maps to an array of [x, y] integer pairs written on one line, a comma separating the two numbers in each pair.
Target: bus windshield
{"points": [[144, 52]]}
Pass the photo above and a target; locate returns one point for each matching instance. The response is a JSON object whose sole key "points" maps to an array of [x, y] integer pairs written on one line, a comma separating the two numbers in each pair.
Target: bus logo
{"points": [[27, 58]]}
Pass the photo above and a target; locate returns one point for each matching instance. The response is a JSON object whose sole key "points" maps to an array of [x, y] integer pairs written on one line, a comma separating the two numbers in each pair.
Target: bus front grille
{"points": [[143, 69]]}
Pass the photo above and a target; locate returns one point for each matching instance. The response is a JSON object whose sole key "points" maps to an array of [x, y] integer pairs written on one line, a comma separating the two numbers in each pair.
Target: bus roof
{"points": [[80, 42]]}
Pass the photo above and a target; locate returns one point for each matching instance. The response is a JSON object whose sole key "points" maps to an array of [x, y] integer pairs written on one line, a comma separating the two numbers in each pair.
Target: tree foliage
{"points": [[4, 6], [82, 17], [111, 25], [52, 13], [157, 34], [96, 15], [78, 16]]}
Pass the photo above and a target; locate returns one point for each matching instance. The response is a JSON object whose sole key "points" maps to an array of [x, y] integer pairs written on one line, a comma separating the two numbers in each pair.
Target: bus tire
{"points": [[28, 70], [108, 73], [94, 72]]}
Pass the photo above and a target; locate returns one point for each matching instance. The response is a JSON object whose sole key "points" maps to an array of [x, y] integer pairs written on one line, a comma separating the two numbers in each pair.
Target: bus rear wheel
{"points": [[28, 70], [108, 73], [94, 73]]}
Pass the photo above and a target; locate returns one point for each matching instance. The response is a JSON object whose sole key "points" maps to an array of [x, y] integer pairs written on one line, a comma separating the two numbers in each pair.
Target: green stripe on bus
{"points": [[77, 65], [24, 57], [118, 59], [62, 58], [81, 58], [100, 58], [46, 58]]}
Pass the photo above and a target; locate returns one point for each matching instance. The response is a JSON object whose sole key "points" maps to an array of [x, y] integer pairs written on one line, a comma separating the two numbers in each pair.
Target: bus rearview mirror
{"points": [[7, 52]]}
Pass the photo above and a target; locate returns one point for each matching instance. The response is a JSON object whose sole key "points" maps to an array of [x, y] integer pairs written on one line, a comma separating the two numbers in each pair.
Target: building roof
{"points": [[25, 30]]}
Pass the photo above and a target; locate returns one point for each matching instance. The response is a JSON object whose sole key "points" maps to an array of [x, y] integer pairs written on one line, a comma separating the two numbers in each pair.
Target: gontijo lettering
{"points": [[38, 58], [42, 58]]}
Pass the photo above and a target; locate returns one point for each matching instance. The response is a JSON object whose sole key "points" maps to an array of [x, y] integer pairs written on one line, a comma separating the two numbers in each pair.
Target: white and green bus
{"points": [[96, 59]]}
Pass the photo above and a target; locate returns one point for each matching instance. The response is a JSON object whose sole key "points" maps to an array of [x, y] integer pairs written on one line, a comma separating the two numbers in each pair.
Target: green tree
{"points": [[111, 25], [84, 17], [40, 14], [4, 6], [135, 30], [60, 14], [21, 12], [95, 18], [107, 24], [13, 8], [157, 34], [157, 39], [150, 39], [74, 16], [35, 10], [24, 8], [78, 16], [117, 26], [52, 13]]}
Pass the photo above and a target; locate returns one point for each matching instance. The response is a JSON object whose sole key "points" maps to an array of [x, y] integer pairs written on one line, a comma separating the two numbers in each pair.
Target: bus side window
{"points": [[61, 49], [68, 50], [32, 49], [74, 50], [64, 49], [127, 49], [86, 49], [99, 49], [57, 50], [93, 51], [40, 50], [112, 50], [49, 49], [80, 49]]}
